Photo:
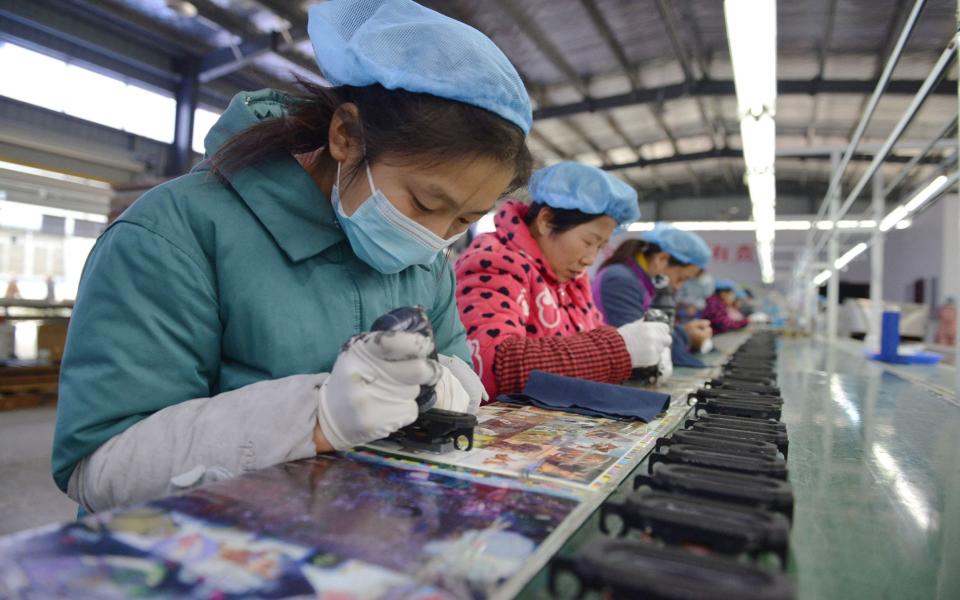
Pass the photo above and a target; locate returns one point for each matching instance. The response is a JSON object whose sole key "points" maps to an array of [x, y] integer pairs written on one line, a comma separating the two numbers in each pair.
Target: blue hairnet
{"points": [[402, 45], [722, 285], [576, 186], [685, 246]]}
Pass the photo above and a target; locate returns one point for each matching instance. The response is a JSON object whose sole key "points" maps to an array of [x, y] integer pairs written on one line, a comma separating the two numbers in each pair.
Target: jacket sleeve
{"points": [[201, 440], [716, 312], [145, 336], [491, 296], [621, 295], [449, 332], [599, 355]]}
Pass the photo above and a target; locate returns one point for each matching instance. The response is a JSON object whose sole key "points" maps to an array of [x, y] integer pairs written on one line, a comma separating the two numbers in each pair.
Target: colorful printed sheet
{"points": [[533, 444], [329, 527]]}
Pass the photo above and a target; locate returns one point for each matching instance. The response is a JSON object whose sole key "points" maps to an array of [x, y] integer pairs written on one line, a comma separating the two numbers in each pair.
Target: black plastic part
{"points": [[704, 393], [438, 427], [720, 442], [750, 378], [712, 484], [768, 425], [623, 569], [722, 383], [721, 526], [435, 429], [712, 458], [738, 432], [738, 408]]}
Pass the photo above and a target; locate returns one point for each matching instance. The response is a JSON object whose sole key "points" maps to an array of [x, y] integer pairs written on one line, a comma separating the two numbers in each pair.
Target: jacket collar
{"points": [[515, 234], [278, 191]]}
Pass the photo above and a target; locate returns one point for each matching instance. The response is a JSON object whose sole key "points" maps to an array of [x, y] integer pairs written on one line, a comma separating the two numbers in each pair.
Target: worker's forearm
{"points": [[202, 440]]}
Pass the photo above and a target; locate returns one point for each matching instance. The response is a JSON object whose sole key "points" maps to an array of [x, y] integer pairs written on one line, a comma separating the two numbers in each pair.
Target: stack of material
{"points": [[712, 518]]}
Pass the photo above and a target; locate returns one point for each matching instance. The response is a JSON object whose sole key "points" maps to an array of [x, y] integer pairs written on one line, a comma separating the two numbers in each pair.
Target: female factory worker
{"points": [[623, 286], [209, 332], [720, 309], [523, 292]]}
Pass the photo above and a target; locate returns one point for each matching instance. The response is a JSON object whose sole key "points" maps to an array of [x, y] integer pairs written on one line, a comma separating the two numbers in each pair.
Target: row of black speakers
{"points": [[712, 516]]}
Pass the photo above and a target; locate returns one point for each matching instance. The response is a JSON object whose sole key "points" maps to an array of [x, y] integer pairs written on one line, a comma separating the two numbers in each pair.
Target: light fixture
{"points": [[752, 37], [893, 217], [822, 277], [897, 216], [849, 255], [926, 193]]}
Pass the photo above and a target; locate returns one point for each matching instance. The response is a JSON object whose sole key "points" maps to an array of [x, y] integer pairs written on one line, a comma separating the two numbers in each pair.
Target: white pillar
{"points": [[876, 258], [954, 261], [833, 252]]}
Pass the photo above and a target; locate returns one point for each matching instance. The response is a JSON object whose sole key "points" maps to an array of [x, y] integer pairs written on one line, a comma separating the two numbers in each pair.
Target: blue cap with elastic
{"points": [[722, 285], [576, 186], [685, 246], [402, 45]]}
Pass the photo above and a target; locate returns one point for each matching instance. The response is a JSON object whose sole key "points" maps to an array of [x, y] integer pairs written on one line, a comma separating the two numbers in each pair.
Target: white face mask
{"points": [[383, 237]]}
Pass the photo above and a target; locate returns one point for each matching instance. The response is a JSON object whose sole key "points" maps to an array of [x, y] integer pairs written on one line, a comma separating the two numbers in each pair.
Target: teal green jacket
{"points": [[204, 286]]}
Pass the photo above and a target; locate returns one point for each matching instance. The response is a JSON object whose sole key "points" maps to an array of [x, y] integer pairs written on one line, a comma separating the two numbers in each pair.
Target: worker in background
{"points": [[692, 296], [221, 325], [721, 310], [623, 286], [524, 295]]}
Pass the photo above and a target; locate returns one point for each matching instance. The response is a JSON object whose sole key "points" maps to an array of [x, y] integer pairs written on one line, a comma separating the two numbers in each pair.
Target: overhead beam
{"points": [[223, 61], [822, 50], [712, 87], [243, 29], [633, 75], [734, 153]]}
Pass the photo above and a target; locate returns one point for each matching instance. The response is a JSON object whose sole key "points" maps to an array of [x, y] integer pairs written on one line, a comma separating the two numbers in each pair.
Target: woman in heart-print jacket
{"points": [[523, 292]]}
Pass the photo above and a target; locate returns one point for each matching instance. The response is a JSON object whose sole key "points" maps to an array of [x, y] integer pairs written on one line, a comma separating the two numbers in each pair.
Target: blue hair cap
{"points": [[576, 186], [402, 45]]}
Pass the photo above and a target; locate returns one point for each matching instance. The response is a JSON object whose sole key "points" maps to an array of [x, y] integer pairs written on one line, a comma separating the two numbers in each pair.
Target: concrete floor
{"points": [[28, 496]]}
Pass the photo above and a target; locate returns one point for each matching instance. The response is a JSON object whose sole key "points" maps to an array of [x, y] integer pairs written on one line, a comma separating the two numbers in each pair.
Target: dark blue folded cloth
{"points": [[546, 390], [680, 351]]}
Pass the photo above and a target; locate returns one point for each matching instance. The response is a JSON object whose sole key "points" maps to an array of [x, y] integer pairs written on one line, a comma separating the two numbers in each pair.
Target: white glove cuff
{"points": [[326, 420]]}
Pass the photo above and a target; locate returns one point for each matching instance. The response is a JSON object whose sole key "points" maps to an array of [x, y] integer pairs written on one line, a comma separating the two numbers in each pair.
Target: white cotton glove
{"points": [[459, 388], [706, 346], [373, 388], [665, 367], [645, 342], [759, 317]]}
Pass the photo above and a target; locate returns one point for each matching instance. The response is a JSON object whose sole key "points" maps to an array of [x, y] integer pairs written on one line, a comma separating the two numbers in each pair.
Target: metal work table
{"points": [[875, 465], [872, 462]]}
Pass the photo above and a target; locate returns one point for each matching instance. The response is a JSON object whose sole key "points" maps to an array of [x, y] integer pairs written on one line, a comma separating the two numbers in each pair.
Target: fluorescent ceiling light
{"points": [[926, 193], [822, 277], [752, 37], [904, 223], [759, 140], [849, 255], [893, 218]]}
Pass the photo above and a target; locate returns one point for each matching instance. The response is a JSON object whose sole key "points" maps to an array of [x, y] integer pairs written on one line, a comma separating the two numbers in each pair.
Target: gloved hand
{"points": [[665, 367], [759, 317], [706, 346], [698, 331], [459, 388], [645, 341], [373, 388]]}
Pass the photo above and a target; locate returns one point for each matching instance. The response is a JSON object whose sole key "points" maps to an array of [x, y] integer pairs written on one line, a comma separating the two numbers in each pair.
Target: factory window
{"points": [[39, 79]]}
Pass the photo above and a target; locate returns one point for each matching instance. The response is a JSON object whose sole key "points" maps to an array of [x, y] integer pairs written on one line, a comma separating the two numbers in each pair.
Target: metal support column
{"points": [[876, 258], [956, 264], [833, 252], [186, 95]]}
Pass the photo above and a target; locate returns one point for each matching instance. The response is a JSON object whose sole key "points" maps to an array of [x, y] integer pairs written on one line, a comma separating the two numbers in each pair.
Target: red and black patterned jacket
{"points": [[519, 318]]}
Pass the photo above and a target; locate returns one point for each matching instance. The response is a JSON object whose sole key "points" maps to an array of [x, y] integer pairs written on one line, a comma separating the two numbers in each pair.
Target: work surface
{"points": [[873, 462]]}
